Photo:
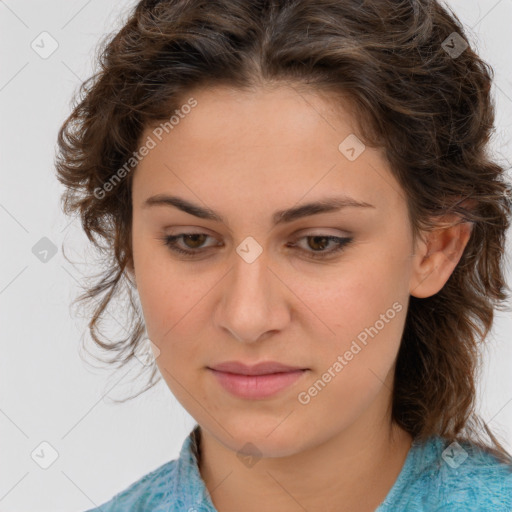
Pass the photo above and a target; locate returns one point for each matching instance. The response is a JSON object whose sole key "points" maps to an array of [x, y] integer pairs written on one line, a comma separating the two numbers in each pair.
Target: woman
{"points": [[299, 193]]}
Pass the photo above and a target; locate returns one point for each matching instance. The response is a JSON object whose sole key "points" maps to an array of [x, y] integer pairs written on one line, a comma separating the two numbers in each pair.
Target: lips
{"points": [[258, 382], [264, 368]]}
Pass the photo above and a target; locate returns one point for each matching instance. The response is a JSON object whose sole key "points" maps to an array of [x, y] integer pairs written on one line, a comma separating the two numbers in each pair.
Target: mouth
{"points": [[263, 368], [257, 382]]}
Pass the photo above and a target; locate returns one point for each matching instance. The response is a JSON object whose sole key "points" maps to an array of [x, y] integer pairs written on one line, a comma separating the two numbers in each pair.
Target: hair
{"points": [[428, 109]]}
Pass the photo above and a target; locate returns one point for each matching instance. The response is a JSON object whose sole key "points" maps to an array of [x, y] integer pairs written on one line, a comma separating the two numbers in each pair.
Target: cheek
{"points": [[362, 307], [158, 286], [174, 303], [354, 294], [366, 311], [170, 308], [169, 303]]}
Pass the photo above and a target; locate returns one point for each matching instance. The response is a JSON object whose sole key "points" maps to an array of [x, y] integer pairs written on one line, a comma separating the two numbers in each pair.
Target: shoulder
{"points": [[151, 489], [449, 477], [472, 478], [173, 486]]}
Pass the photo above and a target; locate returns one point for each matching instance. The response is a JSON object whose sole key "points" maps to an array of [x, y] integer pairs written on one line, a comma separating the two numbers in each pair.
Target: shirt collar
{"points": [[189, 485], [193, 496]]}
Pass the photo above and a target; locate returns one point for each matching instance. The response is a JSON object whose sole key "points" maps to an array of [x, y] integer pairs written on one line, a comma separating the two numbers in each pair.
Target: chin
{"points": [[264, 438]]}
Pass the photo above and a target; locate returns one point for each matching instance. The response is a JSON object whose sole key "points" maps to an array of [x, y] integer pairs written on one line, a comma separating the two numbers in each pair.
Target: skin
{"points": [[246, 155]]}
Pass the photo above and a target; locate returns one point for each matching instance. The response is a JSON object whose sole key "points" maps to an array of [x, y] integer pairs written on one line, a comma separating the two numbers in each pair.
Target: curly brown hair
{"points": [[429, 107]]}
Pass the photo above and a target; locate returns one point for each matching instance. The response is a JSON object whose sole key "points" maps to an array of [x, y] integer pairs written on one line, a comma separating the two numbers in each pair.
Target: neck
{"points": [[351, 471]]}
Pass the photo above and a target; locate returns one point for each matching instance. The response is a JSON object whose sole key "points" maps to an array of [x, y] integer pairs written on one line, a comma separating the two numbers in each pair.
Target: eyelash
{"points": [[170, 242]]}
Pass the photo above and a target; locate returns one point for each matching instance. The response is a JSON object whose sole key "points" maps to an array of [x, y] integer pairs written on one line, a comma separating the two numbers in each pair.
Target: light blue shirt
{"points": [[435, 477]]}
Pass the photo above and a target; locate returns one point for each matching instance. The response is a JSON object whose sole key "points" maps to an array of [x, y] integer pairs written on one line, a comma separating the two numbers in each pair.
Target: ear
{"points": [[436, 255]]}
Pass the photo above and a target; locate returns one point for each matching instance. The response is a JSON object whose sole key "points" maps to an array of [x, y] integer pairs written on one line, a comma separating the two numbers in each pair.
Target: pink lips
{"points": [[257, 381]]}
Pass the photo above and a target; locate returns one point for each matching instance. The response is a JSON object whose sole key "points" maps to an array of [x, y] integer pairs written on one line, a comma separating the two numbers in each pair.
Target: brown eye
{"points": [[194, 241], [316, 245], [319, 242]]}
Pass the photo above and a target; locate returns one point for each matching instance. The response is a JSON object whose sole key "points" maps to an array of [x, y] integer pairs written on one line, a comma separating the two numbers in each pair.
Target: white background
{"points": [[47, 392]]}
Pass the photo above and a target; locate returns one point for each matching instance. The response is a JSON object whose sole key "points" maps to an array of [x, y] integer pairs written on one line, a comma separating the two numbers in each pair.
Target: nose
{"points": [[254, 301]]}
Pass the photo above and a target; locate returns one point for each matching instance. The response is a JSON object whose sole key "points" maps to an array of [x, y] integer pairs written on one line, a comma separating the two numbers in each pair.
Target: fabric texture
{"points": [[436, 477]]}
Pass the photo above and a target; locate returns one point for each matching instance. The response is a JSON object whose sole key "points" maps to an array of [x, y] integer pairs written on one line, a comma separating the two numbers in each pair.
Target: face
{"points": [[326, 292]]}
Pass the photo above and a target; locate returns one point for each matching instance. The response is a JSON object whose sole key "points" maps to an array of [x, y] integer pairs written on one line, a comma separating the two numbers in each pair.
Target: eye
{"points": [[194, 242], [319, 242]]}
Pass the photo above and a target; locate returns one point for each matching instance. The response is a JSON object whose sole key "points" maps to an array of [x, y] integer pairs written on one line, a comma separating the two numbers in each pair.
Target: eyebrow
{"points": [[328, 204]]}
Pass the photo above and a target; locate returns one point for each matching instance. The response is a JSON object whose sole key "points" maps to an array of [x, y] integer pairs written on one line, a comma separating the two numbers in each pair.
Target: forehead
{"points": [[275, 141], [264, 117]]}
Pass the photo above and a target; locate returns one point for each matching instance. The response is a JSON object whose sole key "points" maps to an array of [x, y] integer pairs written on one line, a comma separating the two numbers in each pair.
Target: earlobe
{"points": [[437, 256]]}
